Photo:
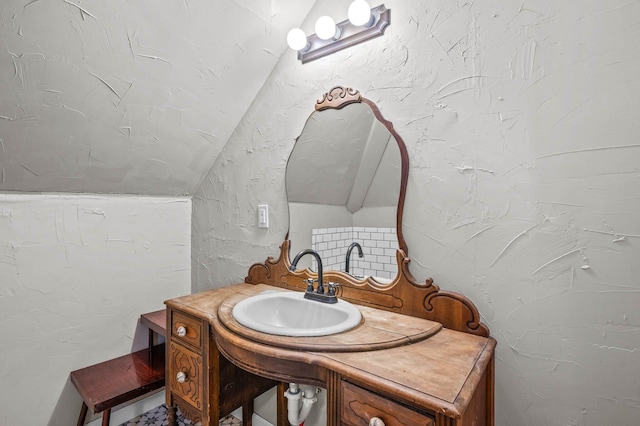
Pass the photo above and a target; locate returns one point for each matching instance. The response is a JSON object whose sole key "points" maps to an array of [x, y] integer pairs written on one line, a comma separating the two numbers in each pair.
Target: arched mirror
{"points": [[345, 182], [346, 174]]}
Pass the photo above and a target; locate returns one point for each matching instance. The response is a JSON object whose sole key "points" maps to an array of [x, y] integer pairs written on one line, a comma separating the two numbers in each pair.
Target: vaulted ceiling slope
{"points": [[130, 97]]}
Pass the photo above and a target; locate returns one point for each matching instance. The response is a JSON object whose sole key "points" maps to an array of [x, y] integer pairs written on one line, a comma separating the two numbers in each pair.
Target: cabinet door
{"points": [[186, 374], [359, 406]]}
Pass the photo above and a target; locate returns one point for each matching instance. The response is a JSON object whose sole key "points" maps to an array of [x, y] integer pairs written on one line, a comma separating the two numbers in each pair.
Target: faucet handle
{"points": [[309, 282], [332, 289]]}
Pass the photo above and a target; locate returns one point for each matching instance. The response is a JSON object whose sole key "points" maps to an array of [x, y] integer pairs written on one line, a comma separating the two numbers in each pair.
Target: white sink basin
{"points": [[290, 314]]}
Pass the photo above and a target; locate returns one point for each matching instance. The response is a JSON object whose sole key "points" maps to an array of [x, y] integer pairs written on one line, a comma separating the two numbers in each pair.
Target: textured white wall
{"points": [[76, 272], [521, 121], [134, 97]]}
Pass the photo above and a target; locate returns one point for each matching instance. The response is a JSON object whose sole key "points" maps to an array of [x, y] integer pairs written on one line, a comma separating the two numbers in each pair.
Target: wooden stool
{"points": [[157, 324], [108, 384]]}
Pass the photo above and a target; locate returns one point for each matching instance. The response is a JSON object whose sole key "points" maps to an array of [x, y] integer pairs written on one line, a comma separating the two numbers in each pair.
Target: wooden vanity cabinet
{"points": [[201, 382], [440, 378]]}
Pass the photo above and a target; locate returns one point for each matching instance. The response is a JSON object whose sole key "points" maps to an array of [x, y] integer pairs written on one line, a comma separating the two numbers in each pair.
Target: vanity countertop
{"points": [[378, 330], [434, 367]]}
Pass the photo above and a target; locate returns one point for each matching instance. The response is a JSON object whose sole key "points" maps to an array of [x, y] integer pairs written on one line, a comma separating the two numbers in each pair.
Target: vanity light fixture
{"points": [[359, 14], [326, 28], [297, 39], [364, 23]]}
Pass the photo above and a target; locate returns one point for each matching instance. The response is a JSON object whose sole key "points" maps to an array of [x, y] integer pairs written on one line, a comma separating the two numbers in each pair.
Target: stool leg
{"points": [[106, 416], [83, 413], [151, 333]]}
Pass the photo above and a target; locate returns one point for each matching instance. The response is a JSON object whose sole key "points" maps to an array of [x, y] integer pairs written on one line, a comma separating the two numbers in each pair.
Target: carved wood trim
{"points": [[189, 412], [263, 273], [403, 295], [190, 363], [338, 98]]}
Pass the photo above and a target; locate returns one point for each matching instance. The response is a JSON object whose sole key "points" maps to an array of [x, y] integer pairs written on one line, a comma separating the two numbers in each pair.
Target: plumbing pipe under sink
{"points": [[300, 401]]}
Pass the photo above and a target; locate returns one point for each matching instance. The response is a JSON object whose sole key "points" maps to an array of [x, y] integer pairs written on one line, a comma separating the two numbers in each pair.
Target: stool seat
{"points": [[110, 383]]}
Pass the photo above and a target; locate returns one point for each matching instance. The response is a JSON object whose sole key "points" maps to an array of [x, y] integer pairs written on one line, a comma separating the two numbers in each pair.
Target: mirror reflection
{"points": [[343, 180]]}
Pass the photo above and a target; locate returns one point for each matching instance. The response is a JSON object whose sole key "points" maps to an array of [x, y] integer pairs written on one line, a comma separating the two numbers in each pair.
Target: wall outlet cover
{"points": [[263, 216]]}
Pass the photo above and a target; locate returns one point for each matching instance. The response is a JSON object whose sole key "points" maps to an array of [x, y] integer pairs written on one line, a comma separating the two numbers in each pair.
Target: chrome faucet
{"points": [[311, 293], [348, 256]]}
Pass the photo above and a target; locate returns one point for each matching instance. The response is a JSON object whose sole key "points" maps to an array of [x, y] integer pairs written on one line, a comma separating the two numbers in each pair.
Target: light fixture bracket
{"points": [[350, 35]]}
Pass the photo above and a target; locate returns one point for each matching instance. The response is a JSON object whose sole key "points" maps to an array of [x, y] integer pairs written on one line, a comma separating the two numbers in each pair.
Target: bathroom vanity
{"points": [[420, 355], [401, 369]]}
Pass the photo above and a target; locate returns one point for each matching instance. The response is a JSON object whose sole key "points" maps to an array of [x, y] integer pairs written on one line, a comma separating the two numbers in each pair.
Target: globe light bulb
{"points": [[296, 39], [325, 28], [359, 13]]}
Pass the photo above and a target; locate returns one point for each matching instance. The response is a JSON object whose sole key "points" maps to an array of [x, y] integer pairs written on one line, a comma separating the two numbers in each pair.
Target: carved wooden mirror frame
{"points": [[403, 294]]}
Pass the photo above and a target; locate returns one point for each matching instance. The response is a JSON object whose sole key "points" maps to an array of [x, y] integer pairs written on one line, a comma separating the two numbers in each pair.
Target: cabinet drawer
{"points": [[186, 328], [186, 374], [360, 405]]}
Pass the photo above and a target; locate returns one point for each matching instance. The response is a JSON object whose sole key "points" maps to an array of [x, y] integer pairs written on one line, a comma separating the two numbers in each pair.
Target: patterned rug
{"points": [[158, 417]]}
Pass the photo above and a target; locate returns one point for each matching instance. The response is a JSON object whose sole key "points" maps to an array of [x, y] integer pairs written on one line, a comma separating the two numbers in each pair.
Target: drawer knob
{"points": [[181, 377], [181, 331], [376, 421]]}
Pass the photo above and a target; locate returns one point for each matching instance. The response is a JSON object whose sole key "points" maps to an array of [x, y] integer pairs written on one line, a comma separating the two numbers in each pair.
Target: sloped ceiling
{"points": [[130, 97]]}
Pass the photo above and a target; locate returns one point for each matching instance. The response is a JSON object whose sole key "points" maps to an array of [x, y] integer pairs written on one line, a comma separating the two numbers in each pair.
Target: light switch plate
{"points": [[263, 215]]}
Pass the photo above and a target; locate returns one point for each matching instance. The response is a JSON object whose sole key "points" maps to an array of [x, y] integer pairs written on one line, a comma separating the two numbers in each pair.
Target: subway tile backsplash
{"points": [[379, 247]]}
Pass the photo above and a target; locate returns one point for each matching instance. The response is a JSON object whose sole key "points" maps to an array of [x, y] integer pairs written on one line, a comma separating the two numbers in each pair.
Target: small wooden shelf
{"points": [[110, 383], [156, 321]]}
